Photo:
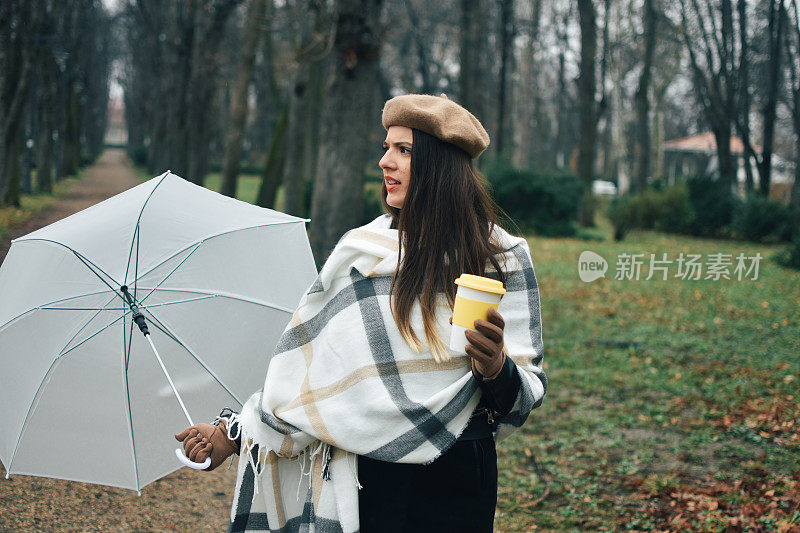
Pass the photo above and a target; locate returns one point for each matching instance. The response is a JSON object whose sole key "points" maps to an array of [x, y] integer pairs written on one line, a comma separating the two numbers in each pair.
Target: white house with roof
{"points": [[697, 154]]}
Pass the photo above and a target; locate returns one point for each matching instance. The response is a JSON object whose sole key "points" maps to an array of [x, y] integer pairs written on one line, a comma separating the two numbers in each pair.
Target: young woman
{"points": [[397, 433]]}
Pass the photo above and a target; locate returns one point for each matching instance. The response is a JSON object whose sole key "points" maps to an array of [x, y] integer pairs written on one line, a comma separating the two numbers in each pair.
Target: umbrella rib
{"points": [[170, 272], [85, 324], [177, 301], [84, 260], [28, 415], [42, 306], [209, 237], [126, 350], [139, 218], [166, 330], [231, 296], [92, 335]]}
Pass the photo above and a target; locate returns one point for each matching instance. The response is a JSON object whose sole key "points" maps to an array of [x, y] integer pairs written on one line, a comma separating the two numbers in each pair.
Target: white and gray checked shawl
{"points": [[342, 382]]}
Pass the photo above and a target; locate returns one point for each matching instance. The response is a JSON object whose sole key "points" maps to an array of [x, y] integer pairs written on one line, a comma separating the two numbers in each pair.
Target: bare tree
{"points": [[744, 87], [471, 72], [507, 33], [350, 111], [587, 88], [714, 75], [792, 46], [642, 139], [233, 144], [311, 20], [775, 34], [18, 58]]}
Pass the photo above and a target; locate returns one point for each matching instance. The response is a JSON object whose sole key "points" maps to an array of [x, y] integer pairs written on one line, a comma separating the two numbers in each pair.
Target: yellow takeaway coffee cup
{"points": [[474, 297]]}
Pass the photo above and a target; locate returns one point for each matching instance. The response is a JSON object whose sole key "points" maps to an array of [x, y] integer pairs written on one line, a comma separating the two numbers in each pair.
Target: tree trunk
{"points": [[558, 153], [727, 169], [506, 41], [467, 78], [233, 141], [588, 108], [273, 166], [350, 112], [775, 30], [794, 198], [208, 30], [744, 89], [10, 133], [45, 116], [642, 140], [310, 50], [529, 99]]}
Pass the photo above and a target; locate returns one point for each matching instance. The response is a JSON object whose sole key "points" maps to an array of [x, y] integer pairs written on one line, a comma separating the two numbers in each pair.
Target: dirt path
{"points": [[180, 501]]}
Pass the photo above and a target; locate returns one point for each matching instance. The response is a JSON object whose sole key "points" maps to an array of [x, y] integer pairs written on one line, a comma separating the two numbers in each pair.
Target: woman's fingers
{"points": [[183, 434], [495, 318], [490, 331], [481, 342], [478, 355], [191, 441], [205, 452], [200, 446]]}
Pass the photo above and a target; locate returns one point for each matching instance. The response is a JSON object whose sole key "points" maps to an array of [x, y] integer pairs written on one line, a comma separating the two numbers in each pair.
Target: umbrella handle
{"points": [[191, 464]]}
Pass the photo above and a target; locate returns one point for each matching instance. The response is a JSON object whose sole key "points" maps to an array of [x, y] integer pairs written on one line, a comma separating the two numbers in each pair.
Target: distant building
{"points": [[697, 154], [117, 130]]}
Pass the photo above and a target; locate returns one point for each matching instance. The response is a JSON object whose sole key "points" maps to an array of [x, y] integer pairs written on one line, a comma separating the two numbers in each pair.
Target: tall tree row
{"points": [[55, 59], [171, 83]]}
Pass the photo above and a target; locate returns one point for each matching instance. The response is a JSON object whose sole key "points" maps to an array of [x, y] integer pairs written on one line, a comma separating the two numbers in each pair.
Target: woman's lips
{"points": [[390, 186]]}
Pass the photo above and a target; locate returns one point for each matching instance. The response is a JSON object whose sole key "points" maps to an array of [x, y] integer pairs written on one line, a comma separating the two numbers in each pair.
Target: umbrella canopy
{"points": [[82, 396]]}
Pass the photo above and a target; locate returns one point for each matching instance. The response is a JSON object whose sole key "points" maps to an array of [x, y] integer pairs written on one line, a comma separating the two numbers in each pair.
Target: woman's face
{"points": [[396, 164]]}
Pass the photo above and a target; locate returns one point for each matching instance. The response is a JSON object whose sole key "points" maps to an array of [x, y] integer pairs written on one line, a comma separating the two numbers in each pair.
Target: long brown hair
{"points": [[444, 229]]}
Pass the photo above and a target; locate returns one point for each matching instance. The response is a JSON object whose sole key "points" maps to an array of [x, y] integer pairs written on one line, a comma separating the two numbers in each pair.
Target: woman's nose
{"points": [[386, 161]]}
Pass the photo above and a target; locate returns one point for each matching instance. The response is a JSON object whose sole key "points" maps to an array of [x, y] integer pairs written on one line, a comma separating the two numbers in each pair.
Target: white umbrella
{"points": [[84, 395]]}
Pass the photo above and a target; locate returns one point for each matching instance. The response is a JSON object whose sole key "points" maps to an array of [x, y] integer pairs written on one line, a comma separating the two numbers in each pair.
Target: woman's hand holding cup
{"points": [[485, 347]]}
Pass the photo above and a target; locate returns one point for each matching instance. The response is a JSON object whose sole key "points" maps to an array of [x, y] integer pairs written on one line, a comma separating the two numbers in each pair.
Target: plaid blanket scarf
{"points": [[343, 382]]}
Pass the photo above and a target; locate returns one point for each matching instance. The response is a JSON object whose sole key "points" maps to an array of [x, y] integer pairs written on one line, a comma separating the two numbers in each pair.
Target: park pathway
{"points": [[184, 500], [110, 175]]}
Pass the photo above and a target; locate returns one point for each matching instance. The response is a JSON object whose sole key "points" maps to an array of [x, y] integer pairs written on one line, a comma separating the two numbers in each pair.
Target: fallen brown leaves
{"points": [[758, 502], [776, 418]]}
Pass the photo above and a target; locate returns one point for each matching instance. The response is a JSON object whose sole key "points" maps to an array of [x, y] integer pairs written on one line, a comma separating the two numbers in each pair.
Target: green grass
{"points": [[672, 404]]}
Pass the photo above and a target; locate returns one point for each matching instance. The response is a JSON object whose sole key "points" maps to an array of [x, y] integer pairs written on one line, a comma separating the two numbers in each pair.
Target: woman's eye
{"points": [[384, 148], [404, 148]]}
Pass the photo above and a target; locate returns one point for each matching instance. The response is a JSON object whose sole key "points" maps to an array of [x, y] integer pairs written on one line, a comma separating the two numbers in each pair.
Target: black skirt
{"points": [[456, 492]]}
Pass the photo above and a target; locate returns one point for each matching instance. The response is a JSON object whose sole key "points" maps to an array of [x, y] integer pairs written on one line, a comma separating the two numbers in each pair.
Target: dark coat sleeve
{"points": [[500, 393]]}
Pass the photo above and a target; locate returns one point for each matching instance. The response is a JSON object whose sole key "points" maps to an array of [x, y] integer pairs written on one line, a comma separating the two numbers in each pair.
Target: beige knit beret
{"points": [[440, 117]]}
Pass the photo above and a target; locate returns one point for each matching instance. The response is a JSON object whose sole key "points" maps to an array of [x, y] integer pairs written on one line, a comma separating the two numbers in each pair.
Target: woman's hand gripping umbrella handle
{"points": [[201, 437], [206, 446]]}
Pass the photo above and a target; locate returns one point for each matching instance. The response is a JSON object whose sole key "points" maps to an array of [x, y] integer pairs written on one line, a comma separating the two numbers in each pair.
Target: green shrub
{"points": [[546, 204], [713, 205], [758, 218], [674, 209], [790, 257], [668, 209], [623, 214]]}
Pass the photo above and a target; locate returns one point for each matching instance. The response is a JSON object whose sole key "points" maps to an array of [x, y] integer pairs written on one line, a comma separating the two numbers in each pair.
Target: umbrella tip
{"points": [[139, 493]]}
